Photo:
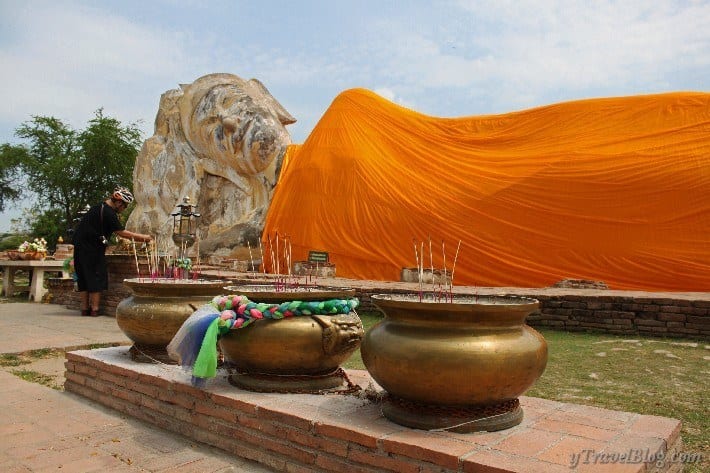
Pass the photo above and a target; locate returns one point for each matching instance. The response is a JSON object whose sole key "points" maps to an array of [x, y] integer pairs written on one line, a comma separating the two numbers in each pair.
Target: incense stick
{"points": [[135, 254], [278, 261], [416, 259], [251, 259], [287, 258], [271, 250], [196, 274], [263, 263], [431, 263], [150, 256], [443, 252], [454, 269], [421, 271]]}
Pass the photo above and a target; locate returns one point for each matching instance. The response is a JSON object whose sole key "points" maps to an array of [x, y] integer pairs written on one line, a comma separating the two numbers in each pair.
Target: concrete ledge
{"points": [[317, 433]]}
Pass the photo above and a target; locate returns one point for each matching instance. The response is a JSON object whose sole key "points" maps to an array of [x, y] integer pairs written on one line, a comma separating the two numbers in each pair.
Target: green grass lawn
{"points": [[655, 376]]}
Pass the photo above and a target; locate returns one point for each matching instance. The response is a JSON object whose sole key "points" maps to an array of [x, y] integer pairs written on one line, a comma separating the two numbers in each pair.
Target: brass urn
{"points": [[295, 354], [457, 364], [156, 309]]}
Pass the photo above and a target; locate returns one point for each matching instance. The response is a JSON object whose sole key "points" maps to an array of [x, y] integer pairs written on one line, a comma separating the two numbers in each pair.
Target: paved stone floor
{"points": [[44, 429]]}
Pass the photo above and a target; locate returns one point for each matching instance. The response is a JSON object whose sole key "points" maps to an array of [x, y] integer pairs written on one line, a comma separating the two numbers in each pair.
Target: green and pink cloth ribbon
{"points": [[195, 343]]}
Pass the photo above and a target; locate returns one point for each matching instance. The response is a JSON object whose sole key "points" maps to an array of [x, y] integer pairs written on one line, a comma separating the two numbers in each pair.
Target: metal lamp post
{"points": [[184, 225]]}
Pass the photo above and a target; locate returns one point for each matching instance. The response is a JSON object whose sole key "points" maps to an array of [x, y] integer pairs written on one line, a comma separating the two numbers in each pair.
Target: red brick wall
{"points": [[311, 433], [277, 437]]}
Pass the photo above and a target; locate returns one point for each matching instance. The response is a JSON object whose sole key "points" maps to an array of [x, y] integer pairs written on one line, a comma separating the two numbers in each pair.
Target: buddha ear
{"points": [[260, 89]]}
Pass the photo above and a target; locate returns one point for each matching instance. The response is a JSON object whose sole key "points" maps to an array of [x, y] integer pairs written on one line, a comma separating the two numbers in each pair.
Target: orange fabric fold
{"points": [[614, 190]]}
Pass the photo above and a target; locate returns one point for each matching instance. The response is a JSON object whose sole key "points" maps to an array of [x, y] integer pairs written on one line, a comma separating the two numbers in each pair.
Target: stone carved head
{"points": [[220, 141], [235, 123]]}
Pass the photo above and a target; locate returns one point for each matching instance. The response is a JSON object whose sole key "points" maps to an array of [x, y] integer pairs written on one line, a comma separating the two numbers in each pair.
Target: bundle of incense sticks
{"points": [[154, 255], [280, 253], [448, 283]]}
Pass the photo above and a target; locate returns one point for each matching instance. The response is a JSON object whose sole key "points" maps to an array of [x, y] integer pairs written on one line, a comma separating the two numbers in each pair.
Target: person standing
{"points": [[90, 241]]}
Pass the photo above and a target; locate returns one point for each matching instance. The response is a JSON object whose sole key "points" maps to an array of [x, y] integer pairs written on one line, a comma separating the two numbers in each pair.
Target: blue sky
{"points": [[444, 58]]}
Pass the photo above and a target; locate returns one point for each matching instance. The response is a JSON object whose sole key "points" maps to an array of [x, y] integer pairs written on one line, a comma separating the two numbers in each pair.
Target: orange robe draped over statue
{"points": [[612, 189]]}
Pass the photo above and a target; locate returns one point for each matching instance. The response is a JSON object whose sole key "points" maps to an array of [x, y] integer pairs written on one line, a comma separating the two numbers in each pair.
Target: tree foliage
{"points": [[12, 156], [68, 169], [10, 241], [109, 152]]}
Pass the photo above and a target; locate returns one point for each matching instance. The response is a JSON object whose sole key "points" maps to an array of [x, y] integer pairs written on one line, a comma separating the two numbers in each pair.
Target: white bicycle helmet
{"points": [[123, 194]]}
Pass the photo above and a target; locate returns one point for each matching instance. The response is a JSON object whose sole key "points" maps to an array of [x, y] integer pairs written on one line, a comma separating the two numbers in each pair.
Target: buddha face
{"points": [[234, 123], [228, 127]]}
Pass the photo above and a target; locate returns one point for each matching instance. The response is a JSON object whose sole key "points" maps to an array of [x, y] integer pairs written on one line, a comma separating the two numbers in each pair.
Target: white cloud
{"points": [[67, 62], [448, 58], [386, 93], [392, 96], [520, 54], [66, 58]]}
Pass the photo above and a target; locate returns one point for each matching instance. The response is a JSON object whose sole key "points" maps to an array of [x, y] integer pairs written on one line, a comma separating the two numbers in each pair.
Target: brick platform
{"points": [[315, 433]]}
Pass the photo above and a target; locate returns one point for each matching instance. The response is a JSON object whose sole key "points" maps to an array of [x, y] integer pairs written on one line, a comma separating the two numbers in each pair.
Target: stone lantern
{"points": [[184, 225]]}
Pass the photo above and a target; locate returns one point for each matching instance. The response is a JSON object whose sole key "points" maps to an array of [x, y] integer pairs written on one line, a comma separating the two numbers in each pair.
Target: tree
{"points": [[67, 169], [50, 163], [12, 156], [10, 241], [109, 152]]}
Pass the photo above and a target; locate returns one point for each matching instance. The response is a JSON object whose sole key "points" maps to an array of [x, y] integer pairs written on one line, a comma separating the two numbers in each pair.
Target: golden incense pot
{"points": [[152, 315], [458, 364], [295, 354]]}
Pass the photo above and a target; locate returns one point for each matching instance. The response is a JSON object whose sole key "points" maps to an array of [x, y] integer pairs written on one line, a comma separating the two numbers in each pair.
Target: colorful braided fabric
{"points": [[195, 344], [238, 311]]}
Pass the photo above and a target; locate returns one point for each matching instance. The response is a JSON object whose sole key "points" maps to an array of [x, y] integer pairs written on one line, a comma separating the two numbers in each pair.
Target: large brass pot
{"points": [[157, 308], [472, 353], [295, 354]]}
